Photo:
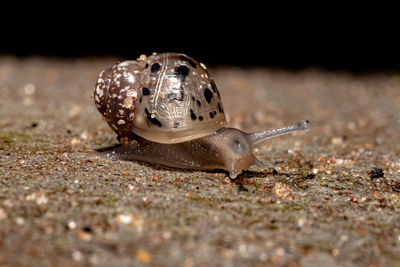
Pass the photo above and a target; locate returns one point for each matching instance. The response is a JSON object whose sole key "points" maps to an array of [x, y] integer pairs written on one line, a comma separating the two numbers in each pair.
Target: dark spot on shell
{"points": [[145, 91], [147, 65], [214, 112], [140, 100], [208, 95], [193, 98], [154, 120], [198, 103], [219, 108], [211, 115], [155, 67], [213, 86], [192, 115], [201, 118], [191, 62], [181, 72]]}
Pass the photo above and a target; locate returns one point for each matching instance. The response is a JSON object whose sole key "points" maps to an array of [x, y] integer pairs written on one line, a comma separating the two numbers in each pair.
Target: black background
{"points": [[339, 40]]}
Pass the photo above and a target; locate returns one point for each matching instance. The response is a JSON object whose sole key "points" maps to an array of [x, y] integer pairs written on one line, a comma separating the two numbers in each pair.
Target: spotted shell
{"points": [[165, 98]]}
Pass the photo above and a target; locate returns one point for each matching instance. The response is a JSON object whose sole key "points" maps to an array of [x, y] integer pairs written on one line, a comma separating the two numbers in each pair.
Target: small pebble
{"points": [[20, 220], [77, 255], [3, 214], [75, 141], [335, 252], [124, 218], [71, 225], [376, 173], [337, 140], [143, 256], [281, 190]]}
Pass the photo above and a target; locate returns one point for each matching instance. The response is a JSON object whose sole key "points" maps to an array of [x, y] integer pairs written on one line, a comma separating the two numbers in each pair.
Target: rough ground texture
{"points": [[316, 204]]}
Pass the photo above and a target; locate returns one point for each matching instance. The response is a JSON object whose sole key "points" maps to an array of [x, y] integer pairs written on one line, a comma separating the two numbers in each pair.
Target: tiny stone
{"points": [[143, 256], [71, 225], [394, 198], [335, 252], [29, 89], [41, 200], [84, 135], [77, 255], [124, 218], [3, 214], [167, 235], [337, 140], [281, 190], [75, 141], [376, 173], [87, 229], [20, 220]]}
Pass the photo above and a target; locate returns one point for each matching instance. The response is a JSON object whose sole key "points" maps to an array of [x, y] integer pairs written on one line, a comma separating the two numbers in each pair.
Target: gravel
{"points": [[317, 203]]}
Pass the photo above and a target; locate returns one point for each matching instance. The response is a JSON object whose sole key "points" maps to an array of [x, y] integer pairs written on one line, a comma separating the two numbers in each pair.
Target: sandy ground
{"points": [[316, 204]]}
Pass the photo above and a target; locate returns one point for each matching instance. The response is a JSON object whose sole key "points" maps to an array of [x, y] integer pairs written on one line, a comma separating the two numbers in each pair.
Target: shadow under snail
{"points": [[167, 110]]}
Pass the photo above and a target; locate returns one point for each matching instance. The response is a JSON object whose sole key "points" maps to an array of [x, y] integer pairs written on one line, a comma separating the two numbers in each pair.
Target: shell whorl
{"points": [[165, 98]]}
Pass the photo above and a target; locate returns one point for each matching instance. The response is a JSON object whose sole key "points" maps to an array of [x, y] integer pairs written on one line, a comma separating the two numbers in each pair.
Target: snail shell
{"points": [[166, 98]]}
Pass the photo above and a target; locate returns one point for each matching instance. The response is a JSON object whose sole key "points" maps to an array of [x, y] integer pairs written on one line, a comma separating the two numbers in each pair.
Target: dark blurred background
{"points": [[326, 41]]}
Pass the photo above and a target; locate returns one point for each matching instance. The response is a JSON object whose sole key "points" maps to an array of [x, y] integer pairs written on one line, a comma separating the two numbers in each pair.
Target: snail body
{"points": [[167, 110]]}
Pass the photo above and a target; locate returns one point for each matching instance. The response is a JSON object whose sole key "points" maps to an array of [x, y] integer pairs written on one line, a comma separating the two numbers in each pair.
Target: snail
{"points": [[167, 110]]}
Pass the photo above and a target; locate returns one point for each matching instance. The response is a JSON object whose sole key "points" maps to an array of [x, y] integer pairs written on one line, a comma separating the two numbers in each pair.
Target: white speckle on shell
{"points": [[124, 63], [129, 77], [128, 102], [204, 66], [125, 88], [120, 122], [132, 93], [99, 92]]}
